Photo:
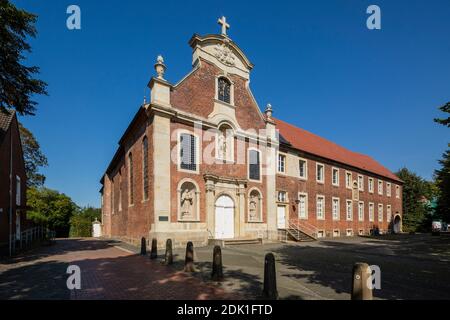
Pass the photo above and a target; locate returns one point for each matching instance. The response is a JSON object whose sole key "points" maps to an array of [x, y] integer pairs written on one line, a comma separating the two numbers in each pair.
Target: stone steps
{"points": [[234, 242]]}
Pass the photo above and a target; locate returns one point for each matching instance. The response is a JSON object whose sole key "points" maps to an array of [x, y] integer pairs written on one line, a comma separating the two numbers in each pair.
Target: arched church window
{"points": [[224, 90], [131, 178], [225, 143], [145, 167], [188, 202], [254, 206]]}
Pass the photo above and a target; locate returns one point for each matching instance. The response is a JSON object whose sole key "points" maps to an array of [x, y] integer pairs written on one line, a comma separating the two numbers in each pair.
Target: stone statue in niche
{"points": [[225, 143], [222, 145], [253, 207], [188, 202]]}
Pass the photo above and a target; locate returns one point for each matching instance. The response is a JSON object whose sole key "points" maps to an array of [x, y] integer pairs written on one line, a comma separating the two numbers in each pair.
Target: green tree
{"points": [[444, 121], [33, 156], [442, 177], [17, 82], [81, 222], [51, 209], [417, 192]]}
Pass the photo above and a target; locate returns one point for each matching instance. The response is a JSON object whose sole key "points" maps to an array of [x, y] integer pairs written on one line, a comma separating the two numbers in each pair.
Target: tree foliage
{"points": [[51, 209], [17, 82], [417, 192], [81, 222], [442, 177], [444, 121], [33, 156]]}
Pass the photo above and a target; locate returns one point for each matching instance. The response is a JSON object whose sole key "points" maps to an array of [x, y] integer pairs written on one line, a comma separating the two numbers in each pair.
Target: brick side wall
{"points": [[133, 220], [312, 188], [18, 170]]}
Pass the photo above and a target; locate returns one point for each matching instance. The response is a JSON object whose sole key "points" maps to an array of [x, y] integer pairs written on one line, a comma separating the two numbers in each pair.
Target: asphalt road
{"points": [[412, 267]]}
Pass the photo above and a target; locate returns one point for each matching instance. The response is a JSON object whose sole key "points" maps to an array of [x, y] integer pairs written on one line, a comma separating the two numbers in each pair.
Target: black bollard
{"points": [[168, 258], [143, 247], [189, 259], [270, 278], [217, 270], [360, 288], [154, 252]]}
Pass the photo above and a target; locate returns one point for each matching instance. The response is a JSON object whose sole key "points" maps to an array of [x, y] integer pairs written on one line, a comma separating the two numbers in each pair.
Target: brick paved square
{"points": [[412, 267]]}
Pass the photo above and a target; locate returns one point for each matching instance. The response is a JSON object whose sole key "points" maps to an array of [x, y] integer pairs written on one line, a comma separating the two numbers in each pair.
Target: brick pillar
{"points": [[270, 173]]}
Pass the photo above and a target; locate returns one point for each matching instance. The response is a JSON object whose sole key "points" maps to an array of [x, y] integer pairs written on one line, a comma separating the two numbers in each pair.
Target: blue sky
{"points": [[374, 92]]}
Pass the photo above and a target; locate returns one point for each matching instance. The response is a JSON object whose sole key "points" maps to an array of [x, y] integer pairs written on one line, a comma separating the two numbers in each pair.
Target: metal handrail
{"points": [[28, 236], [304, 227]]}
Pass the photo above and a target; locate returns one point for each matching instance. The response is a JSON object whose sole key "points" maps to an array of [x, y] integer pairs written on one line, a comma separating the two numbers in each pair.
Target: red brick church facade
{"points": [[200, 161]]}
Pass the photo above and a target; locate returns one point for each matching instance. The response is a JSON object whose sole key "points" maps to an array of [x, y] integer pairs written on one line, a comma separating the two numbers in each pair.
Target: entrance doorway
{"points": [[224, 218], [397, 224], [281, 217]]}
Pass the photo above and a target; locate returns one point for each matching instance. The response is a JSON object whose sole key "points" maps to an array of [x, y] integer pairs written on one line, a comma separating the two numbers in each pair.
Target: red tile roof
{"points": [[308, 142]]}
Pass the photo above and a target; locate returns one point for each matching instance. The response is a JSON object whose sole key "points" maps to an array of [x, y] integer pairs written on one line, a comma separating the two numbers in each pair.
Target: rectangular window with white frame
{"points": [[320, 207], [348, 179], [360, 211], [303, 168], [335, 177], [370, 182], [282, 196], [380, 212], [336, 233], [388, 213], [380, 187], [360, 182], [397, 192], [336, 208], [349, 210], [371, 211], [303, 206], [281, 163], [388, 189], [349, 232], [320, 173]]}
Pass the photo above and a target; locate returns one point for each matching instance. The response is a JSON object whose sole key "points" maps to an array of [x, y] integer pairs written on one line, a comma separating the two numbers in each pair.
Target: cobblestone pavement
{"points": [[107, 272]]}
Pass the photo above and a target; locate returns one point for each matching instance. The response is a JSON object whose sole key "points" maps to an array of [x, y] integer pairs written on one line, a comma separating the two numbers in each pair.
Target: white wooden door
{"points": [[281, 217], [224, 218]]}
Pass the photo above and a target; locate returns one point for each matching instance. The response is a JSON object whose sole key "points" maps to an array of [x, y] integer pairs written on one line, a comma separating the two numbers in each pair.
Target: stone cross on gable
{"points": [[223, 22]]}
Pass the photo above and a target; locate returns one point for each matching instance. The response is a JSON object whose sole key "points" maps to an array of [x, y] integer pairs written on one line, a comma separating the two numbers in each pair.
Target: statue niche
{"points": [[225, 145], [254, 206], [188, 201]]}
